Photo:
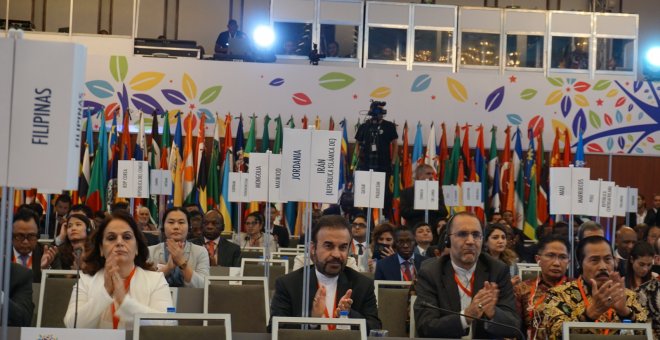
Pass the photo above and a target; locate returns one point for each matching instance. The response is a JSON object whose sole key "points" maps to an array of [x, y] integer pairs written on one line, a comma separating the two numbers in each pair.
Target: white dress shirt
{"points": [[330, 284], [464, 275]]}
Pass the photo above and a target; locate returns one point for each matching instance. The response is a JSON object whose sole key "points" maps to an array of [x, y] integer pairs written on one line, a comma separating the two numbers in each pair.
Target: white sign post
{"points": [[472, 196], [450, 194], [560, 191], [369, 192], [632, 204], [593, 198]]}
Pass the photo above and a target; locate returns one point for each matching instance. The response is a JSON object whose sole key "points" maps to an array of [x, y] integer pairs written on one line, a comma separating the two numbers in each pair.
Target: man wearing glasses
{"points": [[403, 265], [221, 252], [598, 295], [359, 247], [27, 251], [553, 259], [466, 282]]}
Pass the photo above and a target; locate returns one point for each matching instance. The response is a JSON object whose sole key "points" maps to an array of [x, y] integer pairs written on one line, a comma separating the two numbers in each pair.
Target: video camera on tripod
{"points": [[377, 108]]}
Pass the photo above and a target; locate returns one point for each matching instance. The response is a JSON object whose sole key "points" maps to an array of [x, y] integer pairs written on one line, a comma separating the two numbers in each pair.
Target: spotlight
{"points": [[651, 64], [653, 56], [263, 36]]}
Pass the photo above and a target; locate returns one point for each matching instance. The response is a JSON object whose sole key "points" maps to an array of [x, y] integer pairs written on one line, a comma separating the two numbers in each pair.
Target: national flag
{"points": [[277, 143], [126, 148], [290, 213], [113, 158], [492, 168], [304, 121], [176, 165], [542, 173], [443, 153], [406, 161], [567, 148], [531, 219], [507, 186], [201, 178], [98, 180], [238, 146], [331, 124], [343, 164], [265, 137], [579, 152], [529, 162], [418, 148], [555, 160], [495, 203], [154, 163], [519, 195], [395, 181], [460, 176], [214, 181], [431, 156], [355, 157], [465, 151], [250, 147], [224, 206], [317, 123], [480, 169], [165, 153], [84, 178], [140, 152], [228, 144], [451, 166], [188, 162]]}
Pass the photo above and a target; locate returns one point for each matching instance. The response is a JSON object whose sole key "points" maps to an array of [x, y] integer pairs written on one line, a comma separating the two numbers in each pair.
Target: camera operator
{"points": [[377, 142]]}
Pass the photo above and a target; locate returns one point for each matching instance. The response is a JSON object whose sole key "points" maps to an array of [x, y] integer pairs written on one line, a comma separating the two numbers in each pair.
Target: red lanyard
{"points": [[531, 306], [127, 285], [467, 292], [326, 314], [411, 271], [586, 305], [28, 263]]}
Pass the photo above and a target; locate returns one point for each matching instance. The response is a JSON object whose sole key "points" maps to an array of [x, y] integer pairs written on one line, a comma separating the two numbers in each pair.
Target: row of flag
{"points": [[512, 179]]}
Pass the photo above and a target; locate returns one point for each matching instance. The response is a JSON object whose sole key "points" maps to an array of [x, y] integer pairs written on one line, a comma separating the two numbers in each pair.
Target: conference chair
{"points": [[36, 290], [245, 298], [54, 295], [568, 326], [220, 331], [253, 252], [288, 254], [528, 271], [219, 271], [301, 334], [392, 299], [413, 329], [255, 267]]}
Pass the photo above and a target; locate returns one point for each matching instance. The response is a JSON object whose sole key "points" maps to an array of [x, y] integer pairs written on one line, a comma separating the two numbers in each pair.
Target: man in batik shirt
{"points": [[553, 259], [649, 297], [598, 295]]}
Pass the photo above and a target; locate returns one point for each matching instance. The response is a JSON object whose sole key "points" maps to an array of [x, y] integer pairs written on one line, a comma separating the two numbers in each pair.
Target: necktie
{"points": [[24, 260], [407, 273], [360, 249], [210, 246]]}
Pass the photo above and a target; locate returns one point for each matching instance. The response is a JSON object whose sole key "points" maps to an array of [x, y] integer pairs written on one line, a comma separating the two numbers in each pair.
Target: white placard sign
{"points": [[579, 179], [275, 179], [325, 157], [632, 200], [7, 71], [125, 179], [141, 179], [450, 194], [258, 177], [166, 175], [472, 194], [378, 189], [296, 153], [46, 123], [369, 189], [426, 195], [33, 333], [156, 182], [560, 190], [592, 193], [620, 201], [238, 187], [606, 197]]}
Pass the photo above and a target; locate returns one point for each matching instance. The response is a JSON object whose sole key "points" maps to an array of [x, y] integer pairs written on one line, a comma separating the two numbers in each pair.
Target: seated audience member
{"points": [[21, 306], [184, 264], [652, 217], [196, 218], [190, 207], [561, 229], [254, 232], [542, 231], [412, 216], [99, 217], [649, 297], [121, 205], [402, 266], [466, 282], [77, 229], [639, 265], [553, 258], [57, 216], [221, 252], [333, 286], [495, 245], [118, 281], [222, 43], [495, 217], [440, 229], [652, 234], [359, 248], [625, 241], [27, 251], [382, 244], [333, 50], [590, 228], [637, 217], [144, 220], [598, 295], [509, 219], [423, 238], [280, 233]]}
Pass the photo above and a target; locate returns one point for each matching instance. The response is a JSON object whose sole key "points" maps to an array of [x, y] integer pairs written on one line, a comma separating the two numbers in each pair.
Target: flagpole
{"points": [[609, 178], [47, 225], [571, 237], [7, 255], [268, 225], [426, 211], [365, 259], [627, 214], [306, 268], [4, 261], [600, 180]]}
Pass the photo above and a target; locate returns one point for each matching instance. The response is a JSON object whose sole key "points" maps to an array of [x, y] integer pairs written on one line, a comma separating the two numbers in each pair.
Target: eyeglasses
{"points": [[359, 225], [23, 237], [477, 235], [554, 257]]}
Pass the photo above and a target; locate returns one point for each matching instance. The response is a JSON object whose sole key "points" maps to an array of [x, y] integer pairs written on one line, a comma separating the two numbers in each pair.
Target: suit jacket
{"points": [[287, 300], [228, 253], [37, 253], [21, 306], [436, 286], [389, 268], [652, 217], [413, 216]]}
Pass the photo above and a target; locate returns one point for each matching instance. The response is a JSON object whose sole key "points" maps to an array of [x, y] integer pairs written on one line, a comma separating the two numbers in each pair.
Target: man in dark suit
{"points": [[404, 265], [221, 252], [21, 306], [412, 216], [653, 215], [26, 250], [465, 282], [333, 286]]}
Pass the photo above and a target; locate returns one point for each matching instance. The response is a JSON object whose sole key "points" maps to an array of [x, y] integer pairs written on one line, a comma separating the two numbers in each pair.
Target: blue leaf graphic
{"points": [[494, 100], [123, 98], [579, 123], [619, 116], [566, 104], [210, 119], [639, 150], [637, 85], [145, 102], [93, 106], [514, 119], [621, 142], [640, 115], [630, 107], [276, 82], [175, 97], [610, 143], [421, 83], [100, 88], [571, 81]]}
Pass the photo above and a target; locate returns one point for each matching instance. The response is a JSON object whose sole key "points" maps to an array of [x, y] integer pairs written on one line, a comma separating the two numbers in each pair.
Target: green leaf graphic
{"points": [[210, 94], [602, 84], [118, 67], [657, 147], [528, 94], [556, 81], [594, 120], [335, 80]]}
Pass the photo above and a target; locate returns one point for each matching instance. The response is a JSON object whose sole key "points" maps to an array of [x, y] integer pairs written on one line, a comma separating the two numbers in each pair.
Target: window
{"points": [[615, 54], [433, 46], [570, 53], [387, 43], [480, 49], [293, 38], [524, 51], [339, 41]]}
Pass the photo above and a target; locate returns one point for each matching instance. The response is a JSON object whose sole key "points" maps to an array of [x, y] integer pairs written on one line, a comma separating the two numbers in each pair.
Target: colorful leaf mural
{"points": [[457, 90], [335, 80]]}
